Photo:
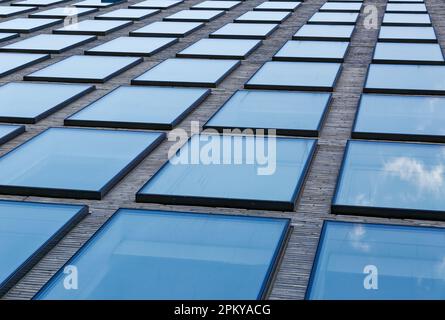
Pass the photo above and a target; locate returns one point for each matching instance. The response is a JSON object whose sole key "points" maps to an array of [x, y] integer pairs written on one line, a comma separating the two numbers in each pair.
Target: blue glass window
{"points": [[27, 25], [296, 50], [407, 34], [145, 108], [11, 62], [188, 72], [128, 14], [400, 118], [392, 179], [334, 18], [406, 19], [406, 262], [195, 15], [428, 53], [93, 27], [73, 163], [9, 132], [245, 31], [406, 7], [263, 17], [295, 76], [220, 48], [216, 5], [341, 7], [132, 46], [156, 4], [324, 32], [7, 36], [48, 43], [84, 69], [27, 231], [403, 78], [167, 29], [278, 6], [62, 13], [97, 3], [30, 102], [142, 254], [218, 180], [38, 3], [289, 112], [9, 11]]}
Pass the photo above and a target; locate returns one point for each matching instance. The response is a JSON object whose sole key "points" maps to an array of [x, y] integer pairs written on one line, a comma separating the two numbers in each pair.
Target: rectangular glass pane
{"points": [[156, 4], [62, 13], [23, 102], [167, 29], [245, 31], [401, 117], [295, 76], [334, 18], [289, 112], [324, 32], [128, 14], [278, 6], [38, 3], [417, 53], [93, 27], [393, 78], [406, 7], [195, 15], [9, 132], [27, 25], [220, 48], [97, 3], [341, 7], [69, 162], [7, 36], [407, 34], [11, 62], [145, 108], [403, 262], [216, 5], [392, 179], [27, 231], [84, 69], [406, 19], [188, 72], [330, 51], [263, 17], [9, 11], [180, 255], [209, 182]]}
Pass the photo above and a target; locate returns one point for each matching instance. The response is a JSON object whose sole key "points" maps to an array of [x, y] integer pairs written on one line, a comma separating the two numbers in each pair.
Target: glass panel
{"points": [[313, 50], [321, 32], [167, 29], [401, 19], [220, 48], [412, 34], [334, 18], [97, 3], [126, 46], [217, 5], [64, 162], [341, 6], [207, 181], [278, 6], [245, 30], [188, 72], [30, 102], [9, 132], [8, 36], [295, 76], [26, 228], [405, 78], [62, 13], [94, 27], [195, 15], [394, 175], [406, 7], [84, 69], [406, 260], [8, 11], [289, 112], [181, 255], [128, 14], [10, 62], [48, 43], [408, 52], [156, 4], [26, 25], [406, 115], [39, 3], [145, 107], [263, 16]]}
